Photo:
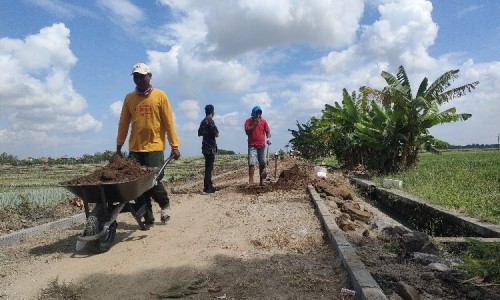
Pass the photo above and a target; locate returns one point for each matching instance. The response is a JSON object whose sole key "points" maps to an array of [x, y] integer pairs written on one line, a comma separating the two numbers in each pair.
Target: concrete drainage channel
{"points": [[445, 226], [450, 229], [421, 216]]}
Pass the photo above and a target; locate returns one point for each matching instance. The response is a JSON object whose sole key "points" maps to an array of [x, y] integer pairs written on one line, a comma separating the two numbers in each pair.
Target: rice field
{"points": [[38, 184], [467, 181]]}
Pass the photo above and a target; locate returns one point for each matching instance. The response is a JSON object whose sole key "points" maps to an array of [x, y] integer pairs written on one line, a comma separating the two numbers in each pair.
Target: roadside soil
{"points": [[244, 242]]}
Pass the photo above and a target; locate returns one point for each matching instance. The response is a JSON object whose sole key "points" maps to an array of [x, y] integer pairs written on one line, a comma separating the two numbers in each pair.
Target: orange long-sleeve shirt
{"points": [[150, 119]]}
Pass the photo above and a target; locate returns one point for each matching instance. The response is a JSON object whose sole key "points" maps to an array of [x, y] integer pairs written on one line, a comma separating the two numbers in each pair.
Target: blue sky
{"points": [[66, 64]]}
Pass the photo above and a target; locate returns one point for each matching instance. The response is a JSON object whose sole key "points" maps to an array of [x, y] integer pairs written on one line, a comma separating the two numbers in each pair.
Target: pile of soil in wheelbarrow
{"points": [[118, 170]]}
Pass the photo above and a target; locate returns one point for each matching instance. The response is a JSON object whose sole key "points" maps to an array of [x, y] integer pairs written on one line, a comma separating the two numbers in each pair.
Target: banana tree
{"points": [[309, 141], [338, 124], [413, 116]]}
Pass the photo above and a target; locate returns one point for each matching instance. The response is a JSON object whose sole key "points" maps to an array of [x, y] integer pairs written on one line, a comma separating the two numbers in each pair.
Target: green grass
{"points": [[188, 167], [482, 260], [327, 161], [38, 196], [467, 181]]}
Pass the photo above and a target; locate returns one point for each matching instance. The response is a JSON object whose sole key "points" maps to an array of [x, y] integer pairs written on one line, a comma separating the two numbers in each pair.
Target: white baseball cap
{"points": [[141, 69]]}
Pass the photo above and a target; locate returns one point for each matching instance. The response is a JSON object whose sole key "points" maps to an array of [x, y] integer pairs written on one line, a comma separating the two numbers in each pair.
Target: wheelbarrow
{"points": [[110, 200]]}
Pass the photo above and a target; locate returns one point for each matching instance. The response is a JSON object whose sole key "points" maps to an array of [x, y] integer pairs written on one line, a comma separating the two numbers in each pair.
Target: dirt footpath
{"points": [[245, 243]]}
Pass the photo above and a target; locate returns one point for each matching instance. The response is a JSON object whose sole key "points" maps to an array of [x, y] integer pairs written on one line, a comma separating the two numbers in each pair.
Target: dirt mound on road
{"points": [[294, 176]]}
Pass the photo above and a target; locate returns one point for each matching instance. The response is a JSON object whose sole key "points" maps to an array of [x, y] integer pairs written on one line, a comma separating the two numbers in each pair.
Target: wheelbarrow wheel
{"points": [[94, 226], [104, 243]]}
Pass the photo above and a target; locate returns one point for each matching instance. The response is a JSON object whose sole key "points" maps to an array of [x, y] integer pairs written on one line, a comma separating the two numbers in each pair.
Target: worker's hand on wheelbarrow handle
{"points": [[158, 171], [175, 154]]}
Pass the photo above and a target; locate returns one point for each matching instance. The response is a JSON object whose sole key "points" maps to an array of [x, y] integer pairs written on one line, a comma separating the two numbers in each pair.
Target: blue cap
{"points": [[255, 110]]}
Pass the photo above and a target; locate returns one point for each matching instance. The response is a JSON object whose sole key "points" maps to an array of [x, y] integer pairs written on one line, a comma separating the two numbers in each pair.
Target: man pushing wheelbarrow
{"points": [[147, 112]]}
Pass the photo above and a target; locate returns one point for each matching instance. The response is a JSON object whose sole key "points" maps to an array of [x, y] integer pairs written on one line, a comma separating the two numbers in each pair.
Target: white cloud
{"points": [[28, 137], [218, 50], [237, 27], [124, 10], [46, 51], [4, 133], [401, 36], [116, 108], [469, 9], [192, 76], [261, 99], [55, 7], [37, 93], [190, 109], [227, 120], [188, 32], [189, 127], [247, 34], [482, 103]]}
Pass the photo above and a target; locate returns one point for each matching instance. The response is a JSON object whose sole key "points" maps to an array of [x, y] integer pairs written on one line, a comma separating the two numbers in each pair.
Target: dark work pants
{"points": [[209, 168], [158, 192]]}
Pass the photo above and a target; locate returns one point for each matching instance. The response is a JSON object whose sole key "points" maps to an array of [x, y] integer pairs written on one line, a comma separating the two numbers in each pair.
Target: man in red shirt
{"points": [[257, 130]]}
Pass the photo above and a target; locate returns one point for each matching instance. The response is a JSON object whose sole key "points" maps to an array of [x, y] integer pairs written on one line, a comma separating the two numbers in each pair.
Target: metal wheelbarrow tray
{"points": [[112, 192]]}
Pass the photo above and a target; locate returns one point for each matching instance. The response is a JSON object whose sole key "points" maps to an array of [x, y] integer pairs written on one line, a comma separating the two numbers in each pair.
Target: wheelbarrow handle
{"points": [[158, 172]]}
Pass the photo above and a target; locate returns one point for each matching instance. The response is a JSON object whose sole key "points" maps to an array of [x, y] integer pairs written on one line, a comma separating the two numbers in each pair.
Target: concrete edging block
{"points": [[68, 222], [362, 281]]}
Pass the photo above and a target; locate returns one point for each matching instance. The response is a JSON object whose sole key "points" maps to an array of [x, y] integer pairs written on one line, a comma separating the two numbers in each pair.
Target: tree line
{"points": [[96, 158]]}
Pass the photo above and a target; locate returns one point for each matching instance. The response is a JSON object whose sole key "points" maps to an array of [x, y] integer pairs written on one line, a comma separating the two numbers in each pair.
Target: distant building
{"points": [[44, 159]]}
